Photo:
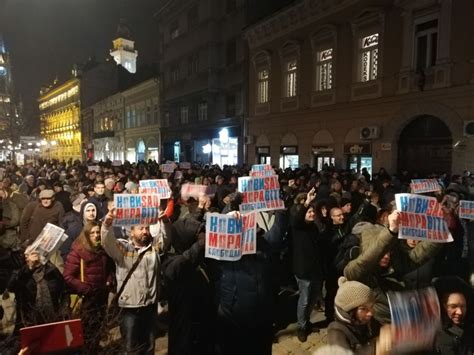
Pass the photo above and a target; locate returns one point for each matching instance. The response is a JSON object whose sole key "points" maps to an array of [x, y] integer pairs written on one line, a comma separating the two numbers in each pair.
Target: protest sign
{"points": [[421, 218], [160, 187], [95, 168], [136, 209], [415, 319], [228, 237], [420, 186], [193, 190], [117, 163], [167, 168], [466, 209], [185, 165], [259, 170], [260, 193], [52, 337], [48, 242], [178, 174]]}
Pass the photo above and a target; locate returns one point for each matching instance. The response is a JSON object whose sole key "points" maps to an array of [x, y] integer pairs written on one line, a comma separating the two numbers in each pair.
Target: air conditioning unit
{"points": [[248, 139], [468, 129], [369, 132]]}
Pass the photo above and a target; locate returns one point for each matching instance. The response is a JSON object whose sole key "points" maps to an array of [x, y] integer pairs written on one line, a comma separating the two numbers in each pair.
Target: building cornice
{"points": [[59, 89], [143, 86], [292, 18]]}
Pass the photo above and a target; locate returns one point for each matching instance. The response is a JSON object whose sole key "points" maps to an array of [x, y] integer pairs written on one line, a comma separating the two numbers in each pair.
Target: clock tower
{"points": [[124, 52]]}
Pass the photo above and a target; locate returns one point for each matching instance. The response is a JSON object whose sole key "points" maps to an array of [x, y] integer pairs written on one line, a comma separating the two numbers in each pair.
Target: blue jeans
{"points": [[309, 290], [137, 328]]}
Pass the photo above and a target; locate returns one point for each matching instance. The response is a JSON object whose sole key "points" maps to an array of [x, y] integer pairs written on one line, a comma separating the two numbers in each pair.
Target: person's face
{"points": [[364, 313], [99, 189], [46, 202], [140, 235], [57, 189], [94, 235], [324, 211], [30, 182], [347, 208], [337, 216], [310, 215], [90, 213], [91, 193], [456, 308], [337, 186], [32, 260], [412, 243], [385, 261], [110, 185], [233, 180]]}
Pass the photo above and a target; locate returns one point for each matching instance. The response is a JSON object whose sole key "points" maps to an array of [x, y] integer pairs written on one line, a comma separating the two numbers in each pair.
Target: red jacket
{"points": [[98, 271]]}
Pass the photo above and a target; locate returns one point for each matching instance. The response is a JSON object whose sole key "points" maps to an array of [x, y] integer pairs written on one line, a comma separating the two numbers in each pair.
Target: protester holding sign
{"points": [[381, 262], [137, 280]]}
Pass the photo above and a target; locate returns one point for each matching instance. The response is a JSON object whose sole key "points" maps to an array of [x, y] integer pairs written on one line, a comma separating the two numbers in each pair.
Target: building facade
{"points": [[358, 83], [65, 134], [108, 140], [141, 129], [6, 88], [203, 72], [60, 114]]}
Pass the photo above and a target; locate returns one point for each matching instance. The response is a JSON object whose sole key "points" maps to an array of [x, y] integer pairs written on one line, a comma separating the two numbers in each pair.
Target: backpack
{"points": [[348, 250]]}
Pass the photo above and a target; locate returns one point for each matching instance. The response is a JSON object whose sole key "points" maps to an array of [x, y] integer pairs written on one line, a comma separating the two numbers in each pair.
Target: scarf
{"points": [[44, 303]]}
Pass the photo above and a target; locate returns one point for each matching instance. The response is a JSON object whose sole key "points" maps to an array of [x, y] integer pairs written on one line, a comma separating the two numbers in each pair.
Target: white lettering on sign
{"points": [[356, 149], [69, 336]]}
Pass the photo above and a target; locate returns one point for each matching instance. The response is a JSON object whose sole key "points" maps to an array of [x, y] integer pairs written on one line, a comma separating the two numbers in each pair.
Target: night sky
{"points": [[45, 38]]}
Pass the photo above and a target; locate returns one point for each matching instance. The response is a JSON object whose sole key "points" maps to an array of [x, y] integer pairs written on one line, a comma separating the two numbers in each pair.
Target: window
{"points": [[193, 65], [324, 69], [426, 44], [166, 119], [193, 17], [174, 30], [291, 68], [174, 75], [230, 105], [262, 88], [231, 52], [202, 111], [369, 51], [183, 115], [230, 5]]}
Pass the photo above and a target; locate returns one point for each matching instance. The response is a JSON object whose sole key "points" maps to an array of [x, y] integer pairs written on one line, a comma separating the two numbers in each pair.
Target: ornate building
{"points": [[7, 110], [61, 107], [358, 83]]}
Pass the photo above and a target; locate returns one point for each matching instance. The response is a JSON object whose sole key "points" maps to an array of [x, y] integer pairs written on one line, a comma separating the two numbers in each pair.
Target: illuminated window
{"points": [[369, 52], [291, 68], [262, 86], [324, 62]]}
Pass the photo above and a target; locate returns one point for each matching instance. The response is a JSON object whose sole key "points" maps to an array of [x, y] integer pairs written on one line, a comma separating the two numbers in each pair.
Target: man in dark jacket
{"points": [[307, 265], [62, 196], [100, 200]]}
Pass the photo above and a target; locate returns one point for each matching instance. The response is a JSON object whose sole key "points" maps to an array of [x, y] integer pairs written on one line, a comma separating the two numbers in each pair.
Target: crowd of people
{"points": [[335, 244]]}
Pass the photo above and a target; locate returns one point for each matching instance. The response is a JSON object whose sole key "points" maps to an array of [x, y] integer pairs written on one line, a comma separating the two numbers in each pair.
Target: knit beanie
{"points": [[352, 294]]}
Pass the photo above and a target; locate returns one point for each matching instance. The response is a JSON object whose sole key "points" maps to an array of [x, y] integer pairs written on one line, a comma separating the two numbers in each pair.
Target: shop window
{"points": [[289, 157], [368, 57], [426, 44], [262, 86], [324, 63]]}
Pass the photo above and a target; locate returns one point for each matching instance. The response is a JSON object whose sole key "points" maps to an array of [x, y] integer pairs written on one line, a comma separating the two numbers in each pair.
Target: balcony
{"points": [[103, 134]]}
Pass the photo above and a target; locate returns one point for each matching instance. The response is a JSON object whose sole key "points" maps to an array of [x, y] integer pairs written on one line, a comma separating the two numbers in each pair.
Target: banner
{"points": [[260, 170], [466, 209], [260, 193], [47, 242], [167, 168], [421, 218], [117, 163], [193, 190], [415, 319], [185, 165], [420, 186], [136, 209], [228, 238], [95, 168], [160, 187]]}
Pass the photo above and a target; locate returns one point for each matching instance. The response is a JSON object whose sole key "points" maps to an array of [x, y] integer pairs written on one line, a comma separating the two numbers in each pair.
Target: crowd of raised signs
{"points": [[388, 258]]}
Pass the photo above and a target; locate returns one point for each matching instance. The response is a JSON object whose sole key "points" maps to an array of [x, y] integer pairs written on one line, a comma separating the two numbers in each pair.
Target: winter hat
{"points": [[83, 209], [108, 181], [352, 294], [344, 201], [46, 194]]}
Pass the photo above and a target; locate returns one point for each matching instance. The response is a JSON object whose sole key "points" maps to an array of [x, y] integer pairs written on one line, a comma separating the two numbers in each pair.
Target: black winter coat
{"points": [[306, 254]]}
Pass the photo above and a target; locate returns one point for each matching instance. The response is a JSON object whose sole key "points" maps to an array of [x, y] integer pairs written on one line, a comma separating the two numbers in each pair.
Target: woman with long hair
{"points": [[88, 272]]}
